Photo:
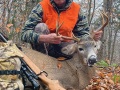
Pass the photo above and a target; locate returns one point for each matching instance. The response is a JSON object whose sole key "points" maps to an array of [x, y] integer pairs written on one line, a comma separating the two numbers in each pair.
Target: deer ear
{"points": [[69, 49]]}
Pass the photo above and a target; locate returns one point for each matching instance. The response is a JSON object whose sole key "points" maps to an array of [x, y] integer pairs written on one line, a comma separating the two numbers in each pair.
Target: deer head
{"points": [[86, 47]]}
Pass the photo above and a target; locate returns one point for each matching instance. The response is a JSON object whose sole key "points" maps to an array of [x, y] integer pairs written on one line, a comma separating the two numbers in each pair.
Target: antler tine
{"points": [[75, 38], [57, 28], [103, 14], [103, 21], [71, 38], [65, 37]]}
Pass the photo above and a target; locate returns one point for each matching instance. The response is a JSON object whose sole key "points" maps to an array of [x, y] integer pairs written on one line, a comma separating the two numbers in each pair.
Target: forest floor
{"points": [[107, 78]]}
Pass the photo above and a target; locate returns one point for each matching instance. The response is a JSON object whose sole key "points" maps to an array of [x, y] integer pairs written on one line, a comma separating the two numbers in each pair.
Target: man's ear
{"points": [[69, 49]]}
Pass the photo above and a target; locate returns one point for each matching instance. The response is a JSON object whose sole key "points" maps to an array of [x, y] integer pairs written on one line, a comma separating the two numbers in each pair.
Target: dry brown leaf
{"points": [[109, 74], [107, 61], [100, 74], [111, 81], [117, 79], [98, 80], [59, 65], [17, 30], [105, 79], [61, 58], [101, 88], [9, 25], [8, 29]]}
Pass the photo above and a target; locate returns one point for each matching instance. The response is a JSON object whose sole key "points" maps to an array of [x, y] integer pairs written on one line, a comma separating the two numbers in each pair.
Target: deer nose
{"points": [[92, 60]]}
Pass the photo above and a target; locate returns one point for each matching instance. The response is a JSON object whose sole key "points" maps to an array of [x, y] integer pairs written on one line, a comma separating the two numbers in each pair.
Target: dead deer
{"points": [[86, 47], [72, 73]]}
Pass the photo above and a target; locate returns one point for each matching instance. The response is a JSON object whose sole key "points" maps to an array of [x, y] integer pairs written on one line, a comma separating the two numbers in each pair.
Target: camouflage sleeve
{"points": [[81, 28], [35, 17]]}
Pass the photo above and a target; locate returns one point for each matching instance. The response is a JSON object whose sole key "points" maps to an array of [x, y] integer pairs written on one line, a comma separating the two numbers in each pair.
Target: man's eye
{"points": [[81, 49]]}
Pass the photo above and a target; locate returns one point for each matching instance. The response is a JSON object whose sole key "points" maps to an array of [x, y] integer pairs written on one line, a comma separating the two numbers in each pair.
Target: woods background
{"points": [[13, 14]]}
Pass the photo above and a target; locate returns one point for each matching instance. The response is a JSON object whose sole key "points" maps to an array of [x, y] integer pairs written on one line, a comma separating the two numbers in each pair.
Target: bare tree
{"points": [[13, 15]]}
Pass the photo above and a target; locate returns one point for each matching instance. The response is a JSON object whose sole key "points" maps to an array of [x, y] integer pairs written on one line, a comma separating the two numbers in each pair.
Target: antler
{"points": [[65, 37], [103, 14]]}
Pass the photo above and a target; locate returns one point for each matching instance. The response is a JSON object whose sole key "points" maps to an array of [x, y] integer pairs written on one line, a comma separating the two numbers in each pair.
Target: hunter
{"points": [[40, 28]]}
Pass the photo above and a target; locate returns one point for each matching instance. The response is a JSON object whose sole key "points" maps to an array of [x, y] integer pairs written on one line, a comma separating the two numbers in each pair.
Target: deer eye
{"points": [[81, 49]]}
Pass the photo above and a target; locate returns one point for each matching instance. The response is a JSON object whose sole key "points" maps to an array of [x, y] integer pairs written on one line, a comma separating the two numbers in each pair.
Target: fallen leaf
{"points": [[107, 61], [111, 81], [61, 58], [59, 65], [9, 25], [17, 30], [100, 74], [8, 29]]}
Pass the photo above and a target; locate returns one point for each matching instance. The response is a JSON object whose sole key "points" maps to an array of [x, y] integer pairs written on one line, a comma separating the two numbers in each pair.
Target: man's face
{"points": [[60, 2]]}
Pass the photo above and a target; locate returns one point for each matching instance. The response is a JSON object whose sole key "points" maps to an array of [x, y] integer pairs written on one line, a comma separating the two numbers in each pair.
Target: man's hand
{"points": [[50, 38], [97, 35]]}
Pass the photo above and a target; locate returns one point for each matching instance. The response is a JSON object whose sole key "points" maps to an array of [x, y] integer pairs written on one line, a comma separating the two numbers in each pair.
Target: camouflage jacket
{"points": [[28, 35]]}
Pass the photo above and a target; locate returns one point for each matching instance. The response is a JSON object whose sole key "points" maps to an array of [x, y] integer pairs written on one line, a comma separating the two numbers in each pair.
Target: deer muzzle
{"points": [[92, 60]]}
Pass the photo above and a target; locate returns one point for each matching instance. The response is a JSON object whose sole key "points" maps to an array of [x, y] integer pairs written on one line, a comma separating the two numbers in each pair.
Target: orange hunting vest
{"points": [[68, 17]]}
